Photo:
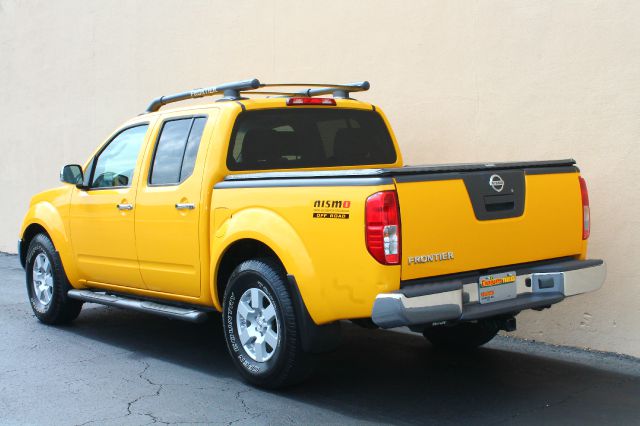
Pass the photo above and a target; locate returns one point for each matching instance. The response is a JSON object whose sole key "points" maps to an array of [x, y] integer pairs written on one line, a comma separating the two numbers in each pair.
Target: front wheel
{"points": [[260, 326], [466, 335], [47, 284]]}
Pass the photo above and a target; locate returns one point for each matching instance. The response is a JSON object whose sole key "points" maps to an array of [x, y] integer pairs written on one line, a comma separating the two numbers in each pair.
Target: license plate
{"points": [[497, 287]]}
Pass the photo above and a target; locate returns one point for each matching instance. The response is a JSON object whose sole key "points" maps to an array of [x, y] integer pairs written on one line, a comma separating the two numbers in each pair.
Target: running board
{"points": [[169, 311]]}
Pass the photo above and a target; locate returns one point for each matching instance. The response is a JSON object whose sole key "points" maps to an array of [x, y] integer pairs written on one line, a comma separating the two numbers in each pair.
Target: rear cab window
{"points": [[292, 138]]}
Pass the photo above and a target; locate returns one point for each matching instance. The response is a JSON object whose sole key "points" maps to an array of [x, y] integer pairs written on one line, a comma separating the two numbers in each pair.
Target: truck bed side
{"points": [[315, 226]]}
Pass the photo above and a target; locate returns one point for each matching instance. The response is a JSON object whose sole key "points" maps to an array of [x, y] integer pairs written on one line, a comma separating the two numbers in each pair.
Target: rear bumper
{"points": [[457, 299]]}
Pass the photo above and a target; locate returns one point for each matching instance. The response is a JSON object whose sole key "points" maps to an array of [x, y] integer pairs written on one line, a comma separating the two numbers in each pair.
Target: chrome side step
{"points": [[169, 311]]}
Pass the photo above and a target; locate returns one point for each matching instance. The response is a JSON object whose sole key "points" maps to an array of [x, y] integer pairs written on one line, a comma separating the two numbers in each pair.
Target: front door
{"points": [[168, 210], [102, 217]]}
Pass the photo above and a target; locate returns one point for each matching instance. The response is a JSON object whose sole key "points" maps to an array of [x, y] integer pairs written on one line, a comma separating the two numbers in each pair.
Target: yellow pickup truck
{"points": [[291, 211]]}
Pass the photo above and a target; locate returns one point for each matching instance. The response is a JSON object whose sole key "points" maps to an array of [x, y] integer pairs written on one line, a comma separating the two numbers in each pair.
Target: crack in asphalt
{"points": [[155, 419], [130, 411], [160, 387], [249, 415]]}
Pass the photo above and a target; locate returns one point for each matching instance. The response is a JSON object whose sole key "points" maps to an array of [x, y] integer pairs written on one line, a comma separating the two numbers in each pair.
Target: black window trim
{"points": [[157, 142], [91, 167], [234, 131]]}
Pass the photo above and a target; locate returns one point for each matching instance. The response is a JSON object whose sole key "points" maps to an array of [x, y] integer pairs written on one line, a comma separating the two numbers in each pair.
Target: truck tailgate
{"points": [[469, 218]]}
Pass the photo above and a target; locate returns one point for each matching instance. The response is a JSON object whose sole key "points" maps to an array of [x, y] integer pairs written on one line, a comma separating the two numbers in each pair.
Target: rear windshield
{"points": [[291, 138]]}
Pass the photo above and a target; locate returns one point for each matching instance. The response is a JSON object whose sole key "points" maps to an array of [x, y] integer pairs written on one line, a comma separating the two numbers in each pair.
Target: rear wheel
{"points": [[466, 335], [260, 326], [47, 284]]}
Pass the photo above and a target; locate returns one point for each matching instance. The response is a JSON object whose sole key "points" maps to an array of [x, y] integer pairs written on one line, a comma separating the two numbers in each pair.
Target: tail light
{"points": [[382, 218], [310, 101], [586, 213]]}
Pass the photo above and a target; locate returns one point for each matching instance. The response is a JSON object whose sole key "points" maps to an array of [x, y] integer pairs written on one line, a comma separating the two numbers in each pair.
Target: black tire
{"points": [[466, 335], [287, 363], [60, 309]]}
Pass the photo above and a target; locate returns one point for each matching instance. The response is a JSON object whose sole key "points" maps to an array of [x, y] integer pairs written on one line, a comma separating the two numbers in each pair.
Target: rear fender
{"points": [[275, 232]]}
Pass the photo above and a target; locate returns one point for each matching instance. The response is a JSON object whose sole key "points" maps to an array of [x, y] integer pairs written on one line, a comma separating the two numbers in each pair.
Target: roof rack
{"points": [[233, 91]]}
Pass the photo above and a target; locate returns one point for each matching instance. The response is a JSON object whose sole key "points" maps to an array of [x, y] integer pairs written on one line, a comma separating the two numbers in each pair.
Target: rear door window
{"points": [[176, 151], [287, 138]]}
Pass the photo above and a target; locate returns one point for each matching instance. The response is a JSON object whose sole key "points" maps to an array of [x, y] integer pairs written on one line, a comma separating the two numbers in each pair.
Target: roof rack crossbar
{"points": [[340, 91], [232, 91]]}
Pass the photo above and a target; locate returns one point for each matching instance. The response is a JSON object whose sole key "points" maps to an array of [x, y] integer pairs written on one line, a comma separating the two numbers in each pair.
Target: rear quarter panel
{"points": [[337, 277]]}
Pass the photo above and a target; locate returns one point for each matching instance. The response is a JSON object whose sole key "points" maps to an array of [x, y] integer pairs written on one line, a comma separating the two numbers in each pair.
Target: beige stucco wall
{"points": [[461, 81]]}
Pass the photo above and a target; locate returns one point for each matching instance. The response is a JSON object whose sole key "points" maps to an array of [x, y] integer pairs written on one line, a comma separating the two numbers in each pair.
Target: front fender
{"points": [[55, 223], [274, 231]]}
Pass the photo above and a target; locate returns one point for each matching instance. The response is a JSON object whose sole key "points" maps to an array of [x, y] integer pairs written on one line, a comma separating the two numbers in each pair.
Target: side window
{"points": [[176, 151], [191, 151], [115, 165]]}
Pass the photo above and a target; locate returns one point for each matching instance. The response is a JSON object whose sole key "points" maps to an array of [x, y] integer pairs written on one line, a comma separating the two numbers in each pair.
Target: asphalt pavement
{"points": [[119, 368]]}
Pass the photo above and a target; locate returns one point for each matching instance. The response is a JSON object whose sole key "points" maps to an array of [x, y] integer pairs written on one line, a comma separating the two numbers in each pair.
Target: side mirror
{"points": [[72, 173]]}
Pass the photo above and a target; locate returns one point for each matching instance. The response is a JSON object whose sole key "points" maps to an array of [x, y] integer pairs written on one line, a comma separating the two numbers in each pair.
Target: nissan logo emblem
{"points": [[496, 182]]}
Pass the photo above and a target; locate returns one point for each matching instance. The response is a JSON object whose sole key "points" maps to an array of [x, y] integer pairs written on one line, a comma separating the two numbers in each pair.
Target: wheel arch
{"points": [[315, 338], [263, 232], [44, 217], [28, 235], [235, 253]]}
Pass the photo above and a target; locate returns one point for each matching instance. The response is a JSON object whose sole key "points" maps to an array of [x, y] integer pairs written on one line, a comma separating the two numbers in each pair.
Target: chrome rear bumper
{"points": [[457, 299]]}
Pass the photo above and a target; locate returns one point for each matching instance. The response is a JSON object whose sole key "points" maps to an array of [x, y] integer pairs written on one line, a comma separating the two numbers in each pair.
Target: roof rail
{"points": [[233, 91]]}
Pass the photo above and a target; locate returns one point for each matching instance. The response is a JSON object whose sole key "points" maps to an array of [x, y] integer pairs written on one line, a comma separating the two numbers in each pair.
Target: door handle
{"points": [[125, 206], [185, 206]]}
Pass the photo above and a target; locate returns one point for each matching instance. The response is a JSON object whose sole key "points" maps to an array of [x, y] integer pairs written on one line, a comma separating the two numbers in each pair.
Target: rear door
{"points": [[168, 209], [455, 222]]}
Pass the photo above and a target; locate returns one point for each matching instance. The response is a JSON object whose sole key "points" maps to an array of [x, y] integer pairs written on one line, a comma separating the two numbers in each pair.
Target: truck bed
{"points": [[452, 217]]}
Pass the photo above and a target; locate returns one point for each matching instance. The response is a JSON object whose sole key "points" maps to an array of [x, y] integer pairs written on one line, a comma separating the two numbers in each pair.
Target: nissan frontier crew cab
{"points": [[292, 212]]}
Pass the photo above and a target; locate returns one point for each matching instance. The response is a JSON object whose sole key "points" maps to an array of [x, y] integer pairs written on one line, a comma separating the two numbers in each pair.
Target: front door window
{"points": [[116, 163]]}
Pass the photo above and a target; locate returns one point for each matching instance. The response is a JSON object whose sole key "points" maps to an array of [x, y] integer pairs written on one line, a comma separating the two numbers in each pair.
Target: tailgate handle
{"points": [[496, 203]]}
